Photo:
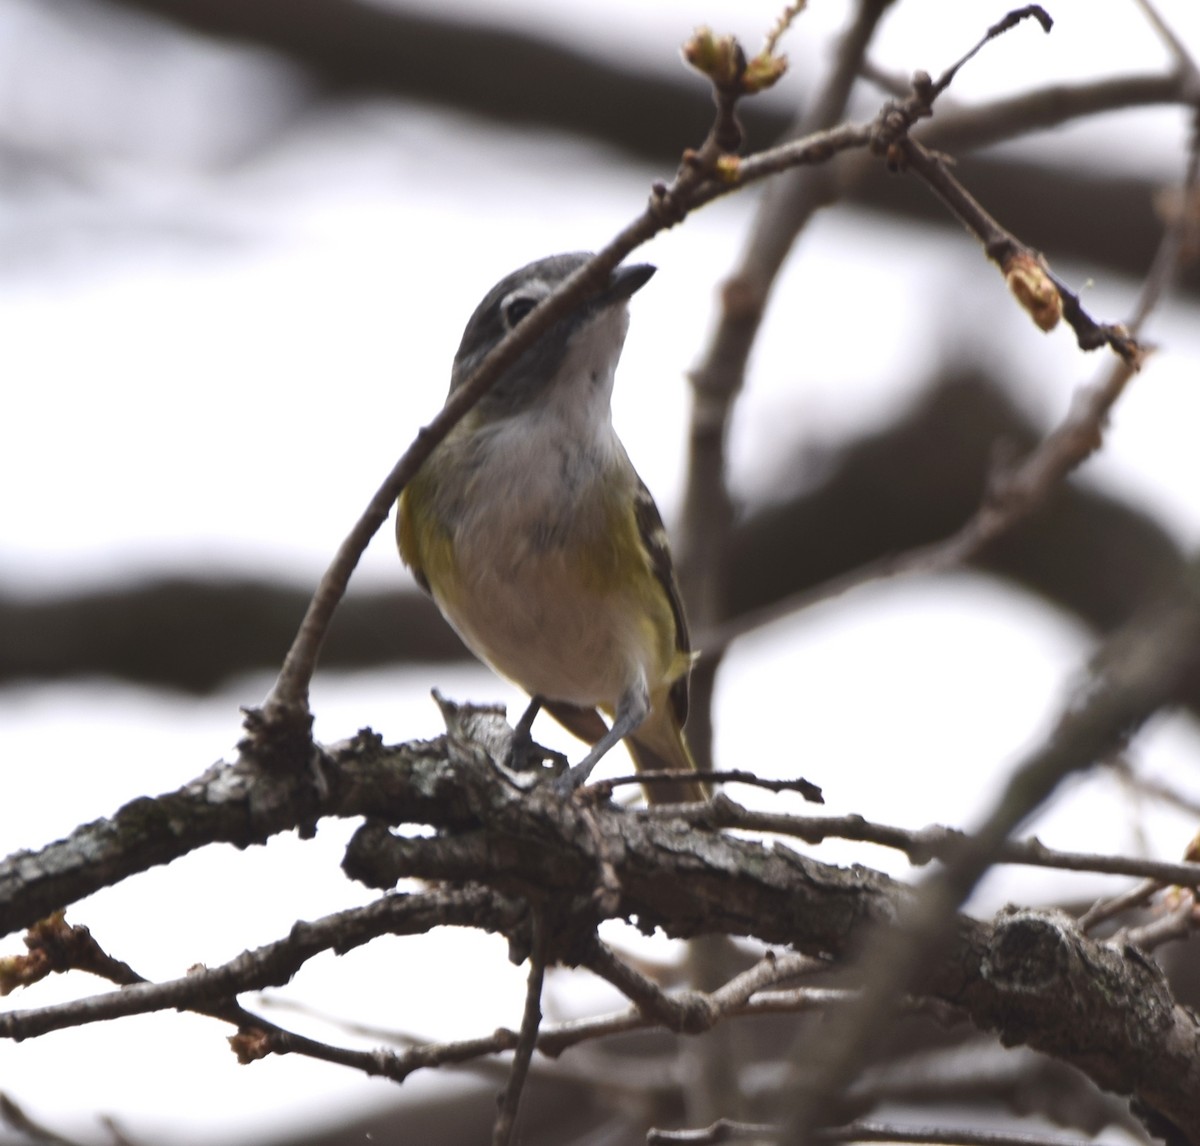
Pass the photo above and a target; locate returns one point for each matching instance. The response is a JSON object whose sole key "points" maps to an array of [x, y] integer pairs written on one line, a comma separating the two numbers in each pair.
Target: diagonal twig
{"points": [[510, 1100], [1137, 672]]}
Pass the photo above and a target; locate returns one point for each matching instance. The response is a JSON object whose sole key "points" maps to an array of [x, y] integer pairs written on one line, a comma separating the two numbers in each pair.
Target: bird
{"points": [[540, 544]]}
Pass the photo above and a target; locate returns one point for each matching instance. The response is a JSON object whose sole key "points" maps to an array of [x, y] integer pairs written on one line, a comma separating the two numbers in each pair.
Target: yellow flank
{"points": [[425, 547], [530, 606]]}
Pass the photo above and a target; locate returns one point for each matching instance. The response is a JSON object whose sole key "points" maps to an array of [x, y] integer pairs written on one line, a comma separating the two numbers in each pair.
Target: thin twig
{"points": [[15, 1117], [531, 1019], [684, 1011], [923, 844], [1010, 21], [555, 1039], [1105, 909], [1159, 789], [57, 947], [1044, 295], [1175, 922], [746, 994], [1052, 105], [1183, 58], [211, 990], [727, 1130], [939, 1135], [805, 788]]}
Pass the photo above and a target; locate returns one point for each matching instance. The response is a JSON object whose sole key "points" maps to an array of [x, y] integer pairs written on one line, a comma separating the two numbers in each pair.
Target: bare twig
{"points": [[727, 1130], [13, 1116], [723, 1130], [939, 1135], [58, 947], [1052, 105], [555, 1039], [1177, 921], [805, 788], [924, 844], [696, 1011], [1041, 293], [1010, 21], [742, 996], [1105, 909], [531, 1020], [1044, 296], [690, 1011], [211, 990], [1183, 58]]}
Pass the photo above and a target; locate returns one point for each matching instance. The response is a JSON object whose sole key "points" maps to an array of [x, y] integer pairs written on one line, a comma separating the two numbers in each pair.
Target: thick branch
{"points": [[1030, 976]]}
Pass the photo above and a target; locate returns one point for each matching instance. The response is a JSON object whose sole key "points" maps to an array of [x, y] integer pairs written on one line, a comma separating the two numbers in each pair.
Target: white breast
{"points": [[534, 496]]}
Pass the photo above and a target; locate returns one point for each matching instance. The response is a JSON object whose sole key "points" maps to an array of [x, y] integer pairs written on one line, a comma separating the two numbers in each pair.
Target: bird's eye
{"points": [[517, 308]]}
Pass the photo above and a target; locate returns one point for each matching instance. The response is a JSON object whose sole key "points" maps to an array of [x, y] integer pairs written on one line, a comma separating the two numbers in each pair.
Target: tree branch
{"points": [[1028, 975], [1135, 673]]}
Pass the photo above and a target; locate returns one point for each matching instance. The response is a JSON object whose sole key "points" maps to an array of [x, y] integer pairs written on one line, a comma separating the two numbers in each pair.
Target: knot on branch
{"points": [[690, 1012], [1057, 987], [278, 736], [897, 117], [1029, 951]]}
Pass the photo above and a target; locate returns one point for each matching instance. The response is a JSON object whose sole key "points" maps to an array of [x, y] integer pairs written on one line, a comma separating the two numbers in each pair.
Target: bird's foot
{"points": [[525, 754]]}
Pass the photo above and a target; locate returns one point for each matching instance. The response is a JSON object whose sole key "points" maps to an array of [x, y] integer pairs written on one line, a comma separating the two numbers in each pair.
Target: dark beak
{"points": [[626, 281]]}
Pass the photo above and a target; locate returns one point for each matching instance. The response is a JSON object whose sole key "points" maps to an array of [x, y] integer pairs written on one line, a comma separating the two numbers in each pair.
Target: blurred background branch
{"points": [[1088, 553], [348, 48]]}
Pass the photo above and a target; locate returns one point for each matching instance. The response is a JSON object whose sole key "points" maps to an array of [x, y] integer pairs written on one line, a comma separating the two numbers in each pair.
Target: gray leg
{"points": [[525, 754], [525, 725], [631, 711]]}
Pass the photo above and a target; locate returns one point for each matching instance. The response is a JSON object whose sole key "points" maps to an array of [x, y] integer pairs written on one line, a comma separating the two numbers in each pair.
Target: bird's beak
{"points": [[626, 281]]}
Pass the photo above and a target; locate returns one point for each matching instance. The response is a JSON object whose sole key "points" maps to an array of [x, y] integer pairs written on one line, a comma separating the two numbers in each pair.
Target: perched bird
{"points": [[533, 533]]}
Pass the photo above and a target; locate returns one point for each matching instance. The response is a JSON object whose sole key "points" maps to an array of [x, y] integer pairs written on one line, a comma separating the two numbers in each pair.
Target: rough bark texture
{"points": [[1027, 975]]}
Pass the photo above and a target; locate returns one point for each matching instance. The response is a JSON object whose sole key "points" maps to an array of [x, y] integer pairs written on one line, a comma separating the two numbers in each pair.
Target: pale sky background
{"points": [[210, 364]]}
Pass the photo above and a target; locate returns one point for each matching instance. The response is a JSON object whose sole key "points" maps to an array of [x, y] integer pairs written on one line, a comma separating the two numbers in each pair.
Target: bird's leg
{"points": [[525, 725], [631, 711], [525, 753]]}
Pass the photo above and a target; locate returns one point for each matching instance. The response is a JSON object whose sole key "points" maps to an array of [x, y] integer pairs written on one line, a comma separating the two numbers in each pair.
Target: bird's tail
{"points": [[658, 745]]}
